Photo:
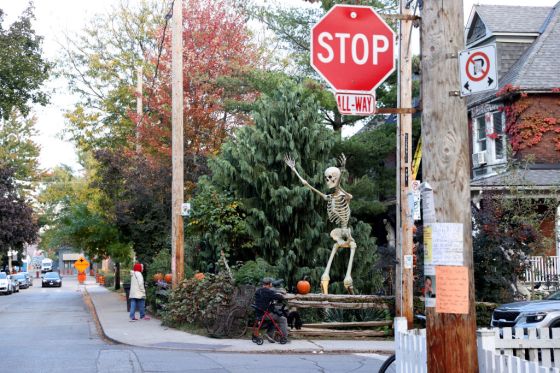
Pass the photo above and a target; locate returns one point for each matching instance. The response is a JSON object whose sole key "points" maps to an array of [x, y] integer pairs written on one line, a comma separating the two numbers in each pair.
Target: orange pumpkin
{"points": [[168, 278], [158, 277], [199, 276], [303, 287]]}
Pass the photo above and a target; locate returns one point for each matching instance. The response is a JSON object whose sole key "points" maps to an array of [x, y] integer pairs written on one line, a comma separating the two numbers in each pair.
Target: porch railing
{"points": [[543, 269]]}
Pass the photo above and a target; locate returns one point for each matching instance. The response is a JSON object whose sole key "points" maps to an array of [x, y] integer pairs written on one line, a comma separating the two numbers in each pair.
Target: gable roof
{"points": [[512, 19], [537, 69]]}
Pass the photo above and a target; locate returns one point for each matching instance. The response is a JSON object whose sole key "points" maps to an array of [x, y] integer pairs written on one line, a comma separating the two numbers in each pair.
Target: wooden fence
{"points": [[341, 301]]}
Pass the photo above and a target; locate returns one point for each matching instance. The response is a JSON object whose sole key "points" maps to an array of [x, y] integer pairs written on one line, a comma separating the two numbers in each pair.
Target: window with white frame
{"points": [[480, 135], [489, 136]]}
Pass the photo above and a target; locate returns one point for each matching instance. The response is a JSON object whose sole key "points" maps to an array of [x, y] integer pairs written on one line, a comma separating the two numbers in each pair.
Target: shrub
{"points": [[194, 300]]}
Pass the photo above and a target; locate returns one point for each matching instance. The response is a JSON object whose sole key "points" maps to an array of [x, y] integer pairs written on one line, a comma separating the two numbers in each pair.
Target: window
{"points": [[489, 137], [499, 137], [480, 134]]}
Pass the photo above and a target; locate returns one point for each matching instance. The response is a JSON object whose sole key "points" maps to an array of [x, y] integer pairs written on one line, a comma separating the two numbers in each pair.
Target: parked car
{"points": [[29, 278], [6, 286], [529, 314], [15, 283], [21, 279], [51, 279]]}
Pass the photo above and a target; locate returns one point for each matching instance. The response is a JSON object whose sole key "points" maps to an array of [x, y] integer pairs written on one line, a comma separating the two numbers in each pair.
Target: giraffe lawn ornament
{"points": [[338, 210]]}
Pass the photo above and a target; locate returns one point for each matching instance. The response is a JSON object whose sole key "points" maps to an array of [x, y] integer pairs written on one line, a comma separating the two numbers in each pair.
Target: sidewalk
{"points": [[111, 312]]}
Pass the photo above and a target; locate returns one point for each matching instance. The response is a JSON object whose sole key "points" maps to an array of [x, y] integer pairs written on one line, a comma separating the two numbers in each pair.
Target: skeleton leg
{"points": [[325, 278], [348, 283]]}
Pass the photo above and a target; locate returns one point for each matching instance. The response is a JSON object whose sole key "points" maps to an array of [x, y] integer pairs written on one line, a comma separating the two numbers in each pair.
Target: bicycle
{"points": [[389, 363]]}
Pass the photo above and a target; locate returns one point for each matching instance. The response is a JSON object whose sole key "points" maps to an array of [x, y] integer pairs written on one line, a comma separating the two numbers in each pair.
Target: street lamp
{"points": [[11, 254]]}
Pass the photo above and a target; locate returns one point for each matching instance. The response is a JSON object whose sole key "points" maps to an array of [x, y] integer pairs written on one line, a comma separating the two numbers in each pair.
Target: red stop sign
{"points": [[353, 48]]}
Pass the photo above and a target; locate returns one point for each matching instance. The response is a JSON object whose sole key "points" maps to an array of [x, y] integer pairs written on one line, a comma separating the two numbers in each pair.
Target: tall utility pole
{"points": [[451, 338], [139, 113], [404, 177], [177, 251]]}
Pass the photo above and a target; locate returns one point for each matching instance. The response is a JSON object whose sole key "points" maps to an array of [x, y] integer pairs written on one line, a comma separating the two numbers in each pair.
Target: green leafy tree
{"points": [[287, 221], [22, 67], [19, 152], [217, 223], [100, 64]]}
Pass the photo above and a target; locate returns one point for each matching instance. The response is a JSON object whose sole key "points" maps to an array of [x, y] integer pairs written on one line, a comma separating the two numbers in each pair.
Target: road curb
{"points": [[95, 317]]}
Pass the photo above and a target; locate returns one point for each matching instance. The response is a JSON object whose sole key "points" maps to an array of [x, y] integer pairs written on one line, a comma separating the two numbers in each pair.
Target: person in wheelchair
{"points": [[267, 299]]}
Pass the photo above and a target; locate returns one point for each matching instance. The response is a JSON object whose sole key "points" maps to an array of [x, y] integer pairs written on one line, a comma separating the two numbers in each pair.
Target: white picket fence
{"points": [[499, 350], [543, 269], [519, 350], [410, 348]]}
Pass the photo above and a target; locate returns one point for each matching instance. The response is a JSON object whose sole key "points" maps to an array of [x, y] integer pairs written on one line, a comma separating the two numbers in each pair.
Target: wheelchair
{"points": [[264, 322]]}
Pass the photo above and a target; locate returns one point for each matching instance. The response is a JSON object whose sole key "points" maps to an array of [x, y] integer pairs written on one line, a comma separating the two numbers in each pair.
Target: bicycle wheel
{"points": [[389, 365], [237, 323]]}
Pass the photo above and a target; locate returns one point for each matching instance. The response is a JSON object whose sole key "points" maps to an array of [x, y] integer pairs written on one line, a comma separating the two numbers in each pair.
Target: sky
{"points": [[54, 18]]}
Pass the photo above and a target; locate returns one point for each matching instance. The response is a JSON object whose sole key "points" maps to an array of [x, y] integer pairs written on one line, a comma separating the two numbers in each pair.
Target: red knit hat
{"points": [[137, 267]]}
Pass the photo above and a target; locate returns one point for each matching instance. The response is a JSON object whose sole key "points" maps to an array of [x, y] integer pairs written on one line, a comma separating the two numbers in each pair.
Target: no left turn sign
{"points": [[478, 70]]}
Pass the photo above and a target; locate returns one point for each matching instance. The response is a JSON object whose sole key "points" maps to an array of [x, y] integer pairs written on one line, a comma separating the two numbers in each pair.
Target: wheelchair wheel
{"points": [[258, 340], [283, 340]]}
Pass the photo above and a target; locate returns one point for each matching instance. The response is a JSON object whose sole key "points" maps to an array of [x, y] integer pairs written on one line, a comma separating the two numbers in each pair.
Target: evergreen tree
{"points": [[288, 222]]}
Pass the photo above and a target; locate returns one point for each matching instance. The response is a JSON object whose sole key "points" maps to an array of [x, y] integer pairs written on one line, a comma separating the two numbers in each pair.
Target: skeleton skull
{"points": [[332, 177]]}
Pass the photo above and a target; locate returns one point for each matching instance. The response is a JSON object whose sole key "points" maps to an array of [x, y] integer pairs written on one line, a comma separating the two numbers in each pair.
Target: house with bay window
{"points": [[523, 114]]}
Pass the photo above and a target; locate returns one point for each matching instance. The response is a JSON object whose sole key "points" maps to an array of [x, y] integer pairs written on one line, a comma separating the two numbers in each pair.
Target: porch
{"points": [[543, 270]]}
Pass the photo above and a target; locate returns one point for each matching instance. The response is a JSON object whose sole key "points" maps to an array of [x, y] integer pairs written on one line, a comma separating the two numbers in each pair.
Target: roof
{"points": [[512, 19], [529, 178], [537, 69]]}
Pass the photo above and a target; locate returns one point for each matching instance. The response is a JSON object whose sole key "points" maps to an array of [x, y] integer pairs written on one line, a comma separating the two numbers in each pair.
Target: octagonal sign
{"points": [[353, 48]]}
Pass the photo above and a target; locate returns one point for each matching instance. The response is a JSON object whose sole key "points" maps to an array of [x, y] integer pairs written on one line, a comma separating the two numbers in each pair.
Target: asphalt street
{"points": [[51, 330]]}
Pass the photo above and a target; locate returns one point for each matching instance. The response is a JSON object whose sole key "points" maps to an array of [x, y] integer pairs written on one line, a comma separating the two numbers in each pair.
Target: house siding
{"points": [[508, 54]]}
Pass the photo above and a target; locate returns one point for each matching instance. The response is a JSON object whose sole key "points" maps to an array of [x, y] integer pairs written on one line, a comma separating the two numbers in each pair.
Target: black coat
{"points": [[264, 298]]}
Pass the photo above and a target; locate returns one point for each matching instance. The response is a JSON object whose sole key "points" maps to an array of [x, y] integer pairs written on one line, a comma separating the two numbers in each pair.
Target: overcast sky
{"points": [[56, 17]]}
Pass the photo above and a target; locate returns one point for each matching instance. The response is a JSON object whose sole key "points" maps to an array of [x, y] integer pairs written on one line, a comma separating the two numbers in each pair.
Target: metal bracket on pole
{"points": [[401, 17], [396, 110], [451, 55], [454, 93]]}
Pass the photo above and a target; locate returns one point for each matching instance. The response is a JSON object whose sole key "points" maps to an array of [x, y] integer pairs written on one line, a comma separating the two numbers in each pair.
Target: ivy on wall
{"points": [[524, 127]]}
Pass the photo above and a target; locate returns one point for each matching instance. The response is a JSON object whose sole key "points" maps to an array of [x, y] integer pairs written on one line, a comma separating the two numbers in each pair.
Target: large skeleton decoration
{"points": [[338, 210]]}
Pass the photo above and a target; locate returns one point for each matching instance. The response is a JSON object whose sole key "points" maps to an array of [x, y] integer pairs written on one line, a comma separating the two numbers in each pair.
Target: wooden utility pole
{"points": [[177, 187], [451, 338], [404, 177], [139, 113]]}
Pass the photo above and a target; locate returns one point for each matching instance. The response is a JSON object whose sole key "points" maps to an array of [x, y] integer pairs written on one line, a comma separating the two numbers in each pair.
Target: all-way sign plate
{"points": [[355, 104], [478, 69]]}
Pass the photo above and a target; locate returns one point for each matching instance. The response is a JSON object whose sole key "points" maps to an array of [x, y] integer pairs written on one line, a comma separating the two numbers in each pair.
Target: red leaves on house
{"points": [[526, 128]]}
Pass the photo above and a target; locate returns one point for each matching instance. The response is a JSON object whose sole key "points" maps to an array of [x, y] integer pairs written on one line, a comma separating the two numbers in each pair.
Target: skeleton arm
{"points": [[292, 164], [347, 195]]}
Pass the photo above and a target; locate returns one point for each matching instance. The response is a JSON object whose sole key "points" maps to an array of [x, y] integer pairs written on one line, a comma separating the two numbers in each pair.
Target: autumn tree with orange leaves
{"points": [[216, 44]]}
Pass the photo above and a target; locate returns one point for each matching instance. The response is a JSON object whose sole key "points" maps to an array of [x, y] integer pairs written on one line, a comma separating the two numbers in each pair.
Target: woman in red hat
{"points": [[137, 294]]}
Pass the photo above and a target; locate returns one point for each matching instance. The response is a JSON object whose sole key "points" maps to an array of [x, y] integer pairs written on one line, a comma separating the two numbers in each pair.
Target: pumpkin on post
{"points": [[303, 287]]}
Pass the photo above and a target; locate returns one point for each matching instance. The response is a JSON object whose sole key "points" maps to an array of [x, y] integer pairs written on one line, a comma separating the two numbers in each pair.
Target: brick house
{"points": [[524, 112]]}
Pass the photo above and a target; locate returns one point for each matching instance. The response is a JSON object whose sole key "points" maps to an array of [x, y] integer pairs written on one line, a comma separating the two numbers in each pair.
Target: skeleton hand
{"points": [[342, 161], [290, 162]]}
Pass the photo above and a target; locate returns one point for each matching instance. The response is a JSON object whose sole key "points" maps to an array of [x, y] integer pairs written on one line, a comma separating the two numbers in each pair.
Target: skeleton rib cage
{"points": [[338, 209]]}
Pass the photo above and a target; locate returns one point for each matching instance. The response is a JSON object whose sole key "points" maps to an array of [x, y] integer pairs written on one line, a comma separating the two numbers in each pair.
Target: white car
{"points": [[6, 284]]}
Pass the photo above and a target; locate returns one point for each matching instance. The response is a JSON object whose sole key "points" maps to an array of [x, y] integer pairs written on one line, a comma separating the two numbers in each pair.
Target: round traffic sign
{"points": [[352, 48], [478, 66]]}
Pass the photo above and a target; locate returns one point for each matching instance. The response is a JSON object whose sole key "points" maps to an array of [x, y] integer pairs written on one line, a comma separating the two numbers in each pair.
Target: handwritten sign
{"points": [[447, 244], [452, 289]]}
